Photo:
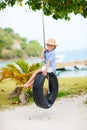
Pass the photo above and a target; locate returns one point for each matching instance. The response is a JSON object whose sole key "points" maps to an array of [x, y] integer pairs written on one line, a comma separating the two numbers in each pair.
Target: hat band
{"points": [[51, 43]]}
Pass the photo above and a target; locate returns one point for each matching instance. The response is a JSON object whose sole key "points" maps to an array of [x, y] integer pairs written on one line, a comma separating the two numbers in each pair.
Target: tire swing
{"points": [[38, 91], [41, 100]]}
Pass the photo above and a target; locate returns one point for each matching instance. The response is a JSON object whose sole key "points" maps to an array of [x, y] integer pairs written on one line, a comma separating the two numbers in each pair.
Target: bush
{"points": [[18, 53]]}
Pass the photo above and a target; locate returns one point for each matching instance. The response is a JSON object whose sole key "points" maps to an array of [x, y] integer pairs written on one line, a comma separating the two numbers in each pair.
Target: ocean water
{"points": [[64, 56], [68, 56], [72, 73]]}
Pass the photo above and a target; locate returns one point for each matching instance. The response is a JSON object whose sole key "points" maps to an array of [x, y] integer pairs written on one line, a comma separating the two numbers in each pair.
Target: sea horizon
{"points": [[72, 55]]}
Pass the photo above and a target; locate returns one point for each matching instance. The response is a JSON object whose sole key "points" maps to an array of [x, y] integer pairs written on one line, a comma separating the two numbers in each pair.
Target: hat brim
{"points": [[51, 44]]}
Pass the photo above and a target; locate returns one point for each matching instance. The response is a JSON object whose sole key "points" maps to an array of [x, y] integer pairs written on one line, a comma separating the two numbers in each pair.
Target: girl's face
{"points": [[50, 47]]}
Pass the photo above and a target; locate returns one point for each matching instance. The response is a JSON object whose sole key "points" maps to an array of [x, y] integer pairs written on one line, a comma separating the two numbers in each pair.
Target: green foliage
{"points": [[34, 67], [18, 53], [58, 9], [23, 65], [13, 68], [19, 71], [9, 30], [72, 86], [14, 46], [34, 49], [5, 40], [24, 45], [8, 55]]}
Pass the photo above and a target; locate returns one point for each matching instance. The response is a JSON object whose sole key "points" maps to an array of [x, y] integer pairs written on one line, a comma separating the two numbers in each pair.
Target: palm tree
{"points": [[20, 71]]}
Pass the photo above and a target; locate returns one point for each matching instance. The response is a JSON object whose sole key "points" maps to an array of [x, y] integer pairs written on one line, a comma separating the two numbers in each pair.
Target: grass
{"points": [[67, 87], [72, 86], [5, 88]]}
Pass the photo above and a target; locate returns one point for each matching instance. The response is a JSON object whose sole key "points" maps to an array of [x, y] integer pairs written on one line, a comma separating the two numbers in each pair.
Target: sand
{"points": [[65, 114]]}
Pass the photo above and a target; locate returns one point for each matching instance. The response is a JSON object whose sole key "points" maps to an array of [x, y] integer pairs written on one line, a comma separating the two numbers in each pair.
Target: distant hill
{"points": [[14, 46]]}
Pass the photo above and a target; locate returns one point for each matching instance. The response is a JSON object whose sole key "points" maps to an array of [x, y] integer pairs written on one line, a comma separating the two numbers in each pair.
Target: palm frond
{"points": [[34, 67], [22, 78], [19, 71], [12, 67], [23, 65], [6, 73]]}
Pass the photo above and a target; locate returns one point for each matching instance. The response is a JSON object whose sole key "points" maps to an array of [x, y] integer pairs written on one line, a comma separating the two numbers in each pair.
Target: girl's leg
{"points": [[30, 81]]}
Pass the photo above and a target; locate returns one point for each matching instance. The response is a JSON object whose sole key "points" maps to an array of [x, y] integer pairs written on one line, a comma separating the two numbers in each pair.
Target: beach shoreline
{"points": [[60, 64], [73, 64]]}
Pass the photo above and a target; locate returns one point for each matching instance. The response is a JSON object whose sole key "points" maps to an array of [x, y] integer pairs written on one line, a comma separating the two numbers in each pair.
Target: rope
{"points": [[42, 6]]}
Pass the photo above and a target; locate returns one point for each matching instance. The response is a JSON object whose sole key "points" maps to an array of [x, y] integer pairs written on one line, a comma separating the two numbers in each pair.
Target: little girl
{"points": [[50, 62]]}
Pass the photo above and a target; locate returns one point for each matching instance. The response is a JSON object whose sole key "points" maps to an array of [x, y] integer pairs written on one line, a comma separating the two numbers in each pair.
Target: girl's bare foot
{"points": [[26, 85]]}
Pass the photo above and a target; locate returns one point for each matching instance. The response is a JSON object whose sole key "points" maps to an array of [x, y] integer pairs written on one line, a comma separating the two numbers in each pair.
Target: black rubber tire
{"points": [[38, 94]]}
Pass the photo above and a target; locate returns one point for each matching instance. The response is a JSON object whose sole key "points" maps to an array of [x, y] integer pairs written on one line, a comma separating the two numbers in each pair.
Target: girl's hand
{"points": [[45, 72], [44, 50], [42, 54]]}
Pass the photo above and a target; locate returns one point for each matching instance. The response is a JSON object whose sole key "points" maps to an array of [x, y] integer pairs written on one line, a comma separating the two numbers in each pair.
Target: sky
{"points": [[70, 35]]}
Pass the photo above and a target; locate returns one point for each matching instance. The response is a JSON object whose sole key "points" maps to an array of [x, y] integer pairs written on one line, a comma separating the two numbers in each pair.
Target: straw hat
{"points": [[51, 42]]}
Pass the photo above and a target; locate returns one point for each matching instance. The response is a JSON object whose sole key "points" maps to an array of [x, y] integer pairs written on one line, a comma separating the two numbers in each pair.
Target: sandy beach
{"points": [[65, 114]]}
